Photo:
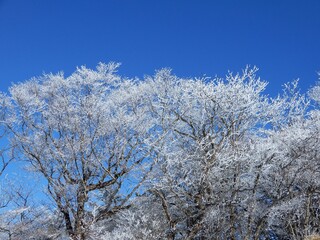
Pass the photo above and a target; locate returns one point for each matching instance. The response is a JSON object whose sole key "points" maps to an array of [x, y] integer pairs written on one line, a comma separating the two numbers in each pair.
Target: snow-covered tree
{"points": [[88, 135], [167, 157], [207, 179], [4, 159]]}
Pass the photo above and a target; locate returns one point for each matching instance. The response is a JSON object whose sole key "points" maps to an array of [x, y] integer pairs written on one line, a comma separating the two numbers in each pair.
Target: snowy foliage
{"points": [[166, 157]]}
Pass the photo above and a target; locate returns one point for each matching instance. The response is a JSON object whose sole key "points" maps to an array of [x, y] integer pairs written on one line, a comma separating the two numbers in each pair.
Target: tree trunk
{"points": [[80, 227]]}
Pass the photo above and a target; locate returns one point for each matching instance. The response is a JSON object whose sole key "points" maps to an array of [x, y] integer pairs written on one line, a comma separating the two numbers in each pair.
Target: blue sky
{"points": [[191, 37]]}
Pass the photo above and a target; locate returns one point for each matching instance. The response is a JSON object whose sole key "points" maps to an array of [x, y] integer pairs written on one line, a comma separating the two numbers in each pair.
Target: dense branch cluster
{"points": [[161, 158]]}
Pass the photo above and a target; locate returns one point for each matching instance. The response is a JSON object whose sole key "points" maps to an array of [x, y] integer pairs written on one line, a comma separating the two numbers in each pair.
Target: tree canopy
{"points": [[162, 157]]}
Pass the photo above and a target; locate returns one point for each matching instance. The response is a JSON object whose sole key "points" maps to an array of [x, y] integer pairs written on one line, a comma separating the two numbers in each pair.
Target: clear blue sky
{"points": [[192, 37]]}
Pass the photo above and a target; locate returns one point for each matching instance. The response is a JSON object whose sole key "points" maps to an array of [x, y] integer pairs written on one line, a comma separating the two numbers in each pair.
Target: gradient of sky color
{"points": [[192, 37]]}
